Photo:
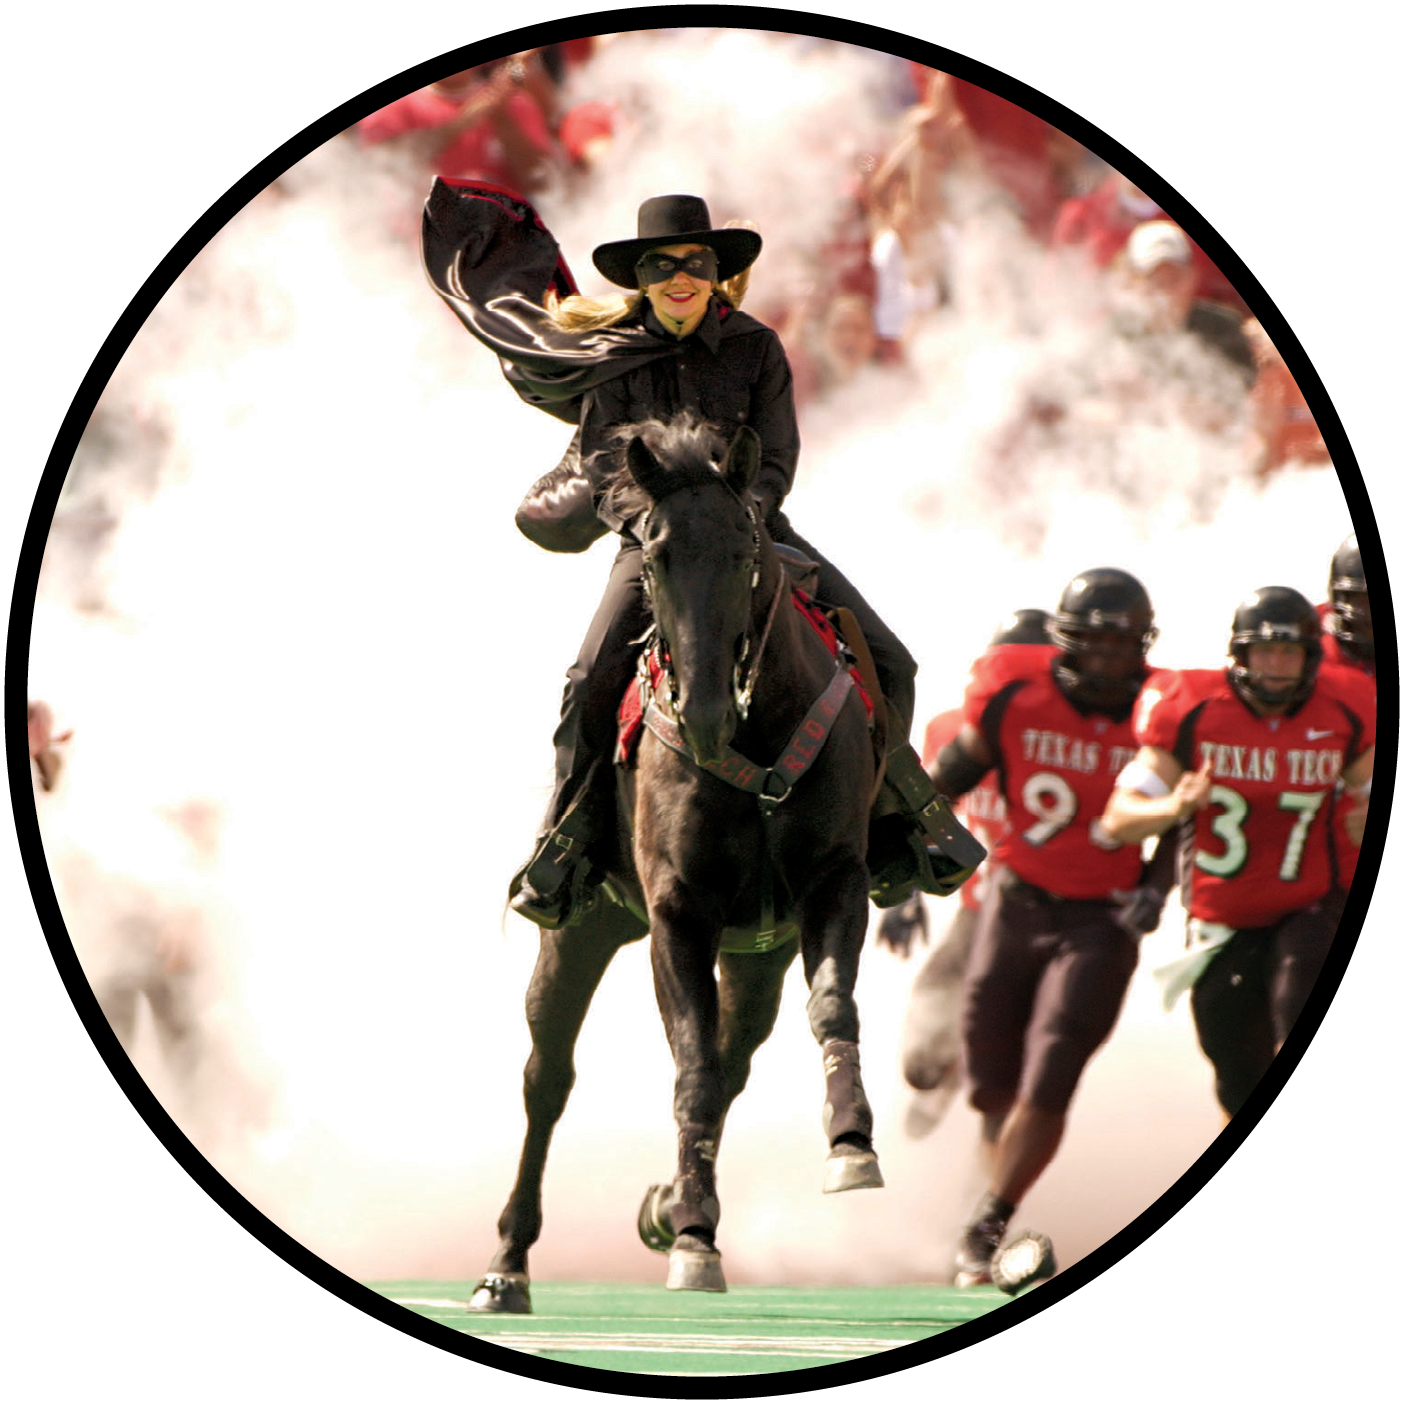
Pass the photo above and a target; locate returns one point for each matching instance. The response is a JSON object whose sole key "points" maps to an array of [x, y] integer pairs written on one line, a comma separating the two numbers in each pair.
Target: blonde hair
{"points": [[580, 314]]}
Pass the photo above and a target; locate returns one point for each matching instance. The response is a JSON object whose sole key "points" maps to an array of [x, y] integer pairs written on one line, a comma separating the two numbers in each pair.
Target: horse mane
{"points": [[690, 447]]}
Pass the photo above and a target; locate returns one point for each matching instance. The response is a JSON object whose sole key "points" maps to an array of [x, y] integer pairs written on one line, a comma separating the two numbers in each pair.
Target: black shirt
{"points": [[731, 370]]}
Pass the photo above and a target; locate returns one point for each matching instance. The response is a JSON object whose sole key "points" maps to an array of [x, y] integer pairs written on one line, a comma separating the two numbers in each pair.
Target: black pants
{"points": [[595, 682], [1043, 990], [1247, 1001]]}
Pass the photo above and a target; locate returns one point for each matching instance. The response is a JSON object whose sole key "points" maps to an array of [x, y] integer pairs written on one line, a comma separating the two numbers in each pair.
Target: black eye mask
{"points": [[656, 267]]}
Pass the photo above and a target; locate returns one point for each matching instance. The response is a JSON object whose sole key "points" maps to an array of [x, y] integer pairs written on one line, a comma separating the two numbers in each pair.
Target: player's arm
{"points": [[1153, 794], [1356, 777], [961, 764], [1139, 910]]}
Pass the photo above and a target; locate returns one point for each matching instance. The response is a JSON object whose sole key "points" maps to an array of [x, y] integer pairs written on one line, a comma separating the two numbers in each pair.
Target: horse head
{"points": [[701, 537]]}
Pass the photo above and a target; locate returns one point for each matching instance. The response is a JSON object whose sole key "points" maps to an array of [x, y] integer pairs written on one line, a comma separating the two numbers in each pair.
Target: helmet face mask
{"points": [[1350, 620], [1104, 627], [1275, 615]]}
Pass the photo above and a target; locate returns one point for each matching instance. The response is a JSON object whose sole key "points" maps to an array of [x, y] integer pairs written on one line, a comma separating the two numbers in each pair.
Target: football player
{"points": [[1249, 757], [931, 1032], [1348, 641], [1349, 632], [1057, 938]]}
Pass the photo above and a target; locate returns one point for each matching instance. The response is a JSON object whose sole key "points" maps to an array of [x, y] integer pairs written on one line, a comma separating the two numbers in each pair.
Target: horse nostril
{"points": [[707, 729]]}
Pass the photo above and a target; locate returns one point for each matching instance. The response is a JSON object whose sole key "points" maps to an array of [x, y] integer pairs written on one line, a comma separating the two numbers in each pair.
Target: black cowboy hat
{"points": [[677, 219]]}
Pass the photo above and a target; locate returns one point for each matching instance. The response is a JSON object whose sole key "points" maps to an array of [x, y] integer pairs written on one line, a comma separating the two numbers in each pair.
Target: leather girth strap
{"points": [[857, 645]]}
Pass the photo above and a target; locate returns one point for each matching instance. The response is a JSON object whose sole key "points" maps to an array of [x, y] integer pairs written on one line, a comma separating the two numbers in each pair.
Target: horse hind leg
{"points": [[568, 970]]}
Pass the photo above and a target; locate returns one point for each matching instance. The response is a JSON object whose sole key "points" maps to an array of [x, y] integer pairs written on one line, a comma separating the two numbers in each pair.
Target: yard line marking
{"points": [[536, 1342], [461, 1304]]}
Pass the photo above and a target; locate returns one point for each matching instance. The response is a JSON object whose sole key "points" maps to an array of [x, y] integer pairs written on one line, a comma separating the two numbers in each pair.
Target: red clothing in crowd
{"points": [[1014, 144], [1101, 223], [475, 152], [1285, 425]]}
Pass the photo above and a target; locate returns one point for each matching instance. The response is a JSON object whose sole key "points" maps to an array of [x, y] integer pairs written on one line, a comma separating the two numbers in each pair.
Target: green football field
{"points": [[748, 1330]]}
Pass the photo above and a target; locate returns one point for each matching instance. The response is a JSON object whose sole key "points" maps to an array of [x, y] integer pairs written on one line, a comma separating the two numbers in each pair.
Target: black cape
{"points": [[489, 256]]}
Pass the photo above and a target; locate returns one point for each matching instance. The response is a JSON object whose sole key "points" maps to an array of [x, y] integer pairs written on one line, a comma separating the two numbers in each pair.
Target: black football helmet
{"points": [[1349, 619], [1104, 626], [1024, 626], [1275, 614]]}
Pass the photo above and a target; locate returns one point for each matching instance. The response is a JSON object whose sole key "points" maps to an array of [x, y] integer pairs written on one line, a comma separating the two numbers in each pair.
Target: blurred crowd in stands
{"points": [[533, 122]]}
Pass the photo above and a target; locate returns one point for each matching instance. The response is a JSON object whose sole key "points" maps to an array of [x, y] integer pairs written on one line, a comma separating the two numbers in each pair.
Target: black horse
{"points": [[735, 867]]}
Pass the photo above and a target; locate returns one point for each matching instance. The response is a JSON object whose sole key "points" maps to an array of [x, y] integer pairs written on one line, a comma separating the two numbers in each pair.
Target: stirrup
{"points": [[951, 852], [557, 883]]}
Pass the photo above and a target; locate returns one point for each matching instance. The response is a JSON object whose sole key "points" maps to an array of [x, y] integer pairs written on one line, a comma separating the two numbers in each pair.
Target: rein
{"points": [[743, 694]]}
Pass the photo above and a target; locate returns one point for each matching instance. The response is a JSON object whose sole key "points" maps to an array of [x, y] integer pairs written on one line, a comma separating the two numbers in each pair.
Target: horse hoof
{"points": [[695, 1270], [850, 1171], [502, 1292], [655, 1227]]}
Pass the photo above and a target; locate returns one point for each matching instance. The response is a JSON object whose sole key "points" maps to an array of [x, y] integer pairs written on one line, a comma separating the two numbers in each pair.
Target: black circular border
{"points": [[18, 640]]}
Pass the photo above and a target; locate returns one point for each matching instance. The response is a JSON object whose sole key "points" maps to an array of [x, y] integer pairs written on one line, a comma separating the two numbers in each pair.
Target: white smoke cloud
{"points": [[317, 599], [314, 617]]}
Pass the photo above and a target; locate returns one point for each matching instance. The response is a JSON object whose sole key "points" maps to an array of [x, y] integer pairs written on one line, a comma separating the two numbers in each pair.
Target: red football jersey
{"points": [[1057, 768], [1262, 847], [981, 810]]}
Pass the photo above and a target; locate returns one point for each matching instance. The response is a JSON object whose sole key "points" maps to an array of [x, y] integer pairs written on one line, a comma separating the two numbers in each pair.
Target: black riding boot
{"points": [[557, 884], [914, 841], [560, 879]]}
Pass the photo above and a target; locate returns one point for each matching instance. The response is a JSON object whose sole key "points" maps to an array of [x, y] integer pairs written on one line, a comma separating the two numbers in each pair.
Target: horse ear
{"points": [[742, 460], [645, 468]]}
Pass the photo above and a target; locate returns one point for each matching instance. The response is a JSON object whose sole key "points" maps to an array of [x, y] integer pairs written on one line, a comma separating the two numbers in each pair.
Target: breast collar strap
{"points": [[771, 785]]}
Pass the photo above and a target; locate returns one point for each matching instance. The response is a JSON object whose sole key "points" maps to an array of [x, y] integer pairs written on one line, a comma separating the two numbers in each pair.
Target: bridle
{"points": [[746, 669]]}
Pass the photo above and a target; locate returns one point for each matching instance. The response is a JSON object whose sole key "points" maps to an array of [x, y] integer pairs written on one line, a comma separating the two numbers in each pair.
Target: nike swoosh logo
{"points": [[1317, 735]]}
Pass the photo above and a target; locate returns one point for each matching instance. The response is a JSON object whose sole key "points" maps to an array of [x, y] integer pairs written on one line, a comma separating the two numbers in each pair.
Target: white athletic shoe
{"points": [[1026, 1259]]}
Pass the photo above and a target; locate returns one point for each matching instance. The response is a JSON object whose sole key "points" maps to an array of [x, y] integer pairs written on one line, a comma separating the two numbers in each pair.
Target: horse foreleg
{"points": [[683, 952], [749, 989], [749, 998], [568, 970], [834, 919]]}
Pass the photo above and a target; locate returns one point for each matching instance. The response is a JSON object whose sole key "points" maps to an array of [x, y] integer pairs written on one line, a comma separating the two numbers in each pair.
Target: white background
{"points": [[140, 116]]}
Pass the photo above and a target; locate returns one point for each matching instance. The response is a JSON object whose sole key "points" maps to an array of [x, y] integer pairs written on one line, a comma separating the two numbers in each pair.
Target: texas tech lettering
{"points": [[1304, 767], [1314, 767], [1060, 752]]}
